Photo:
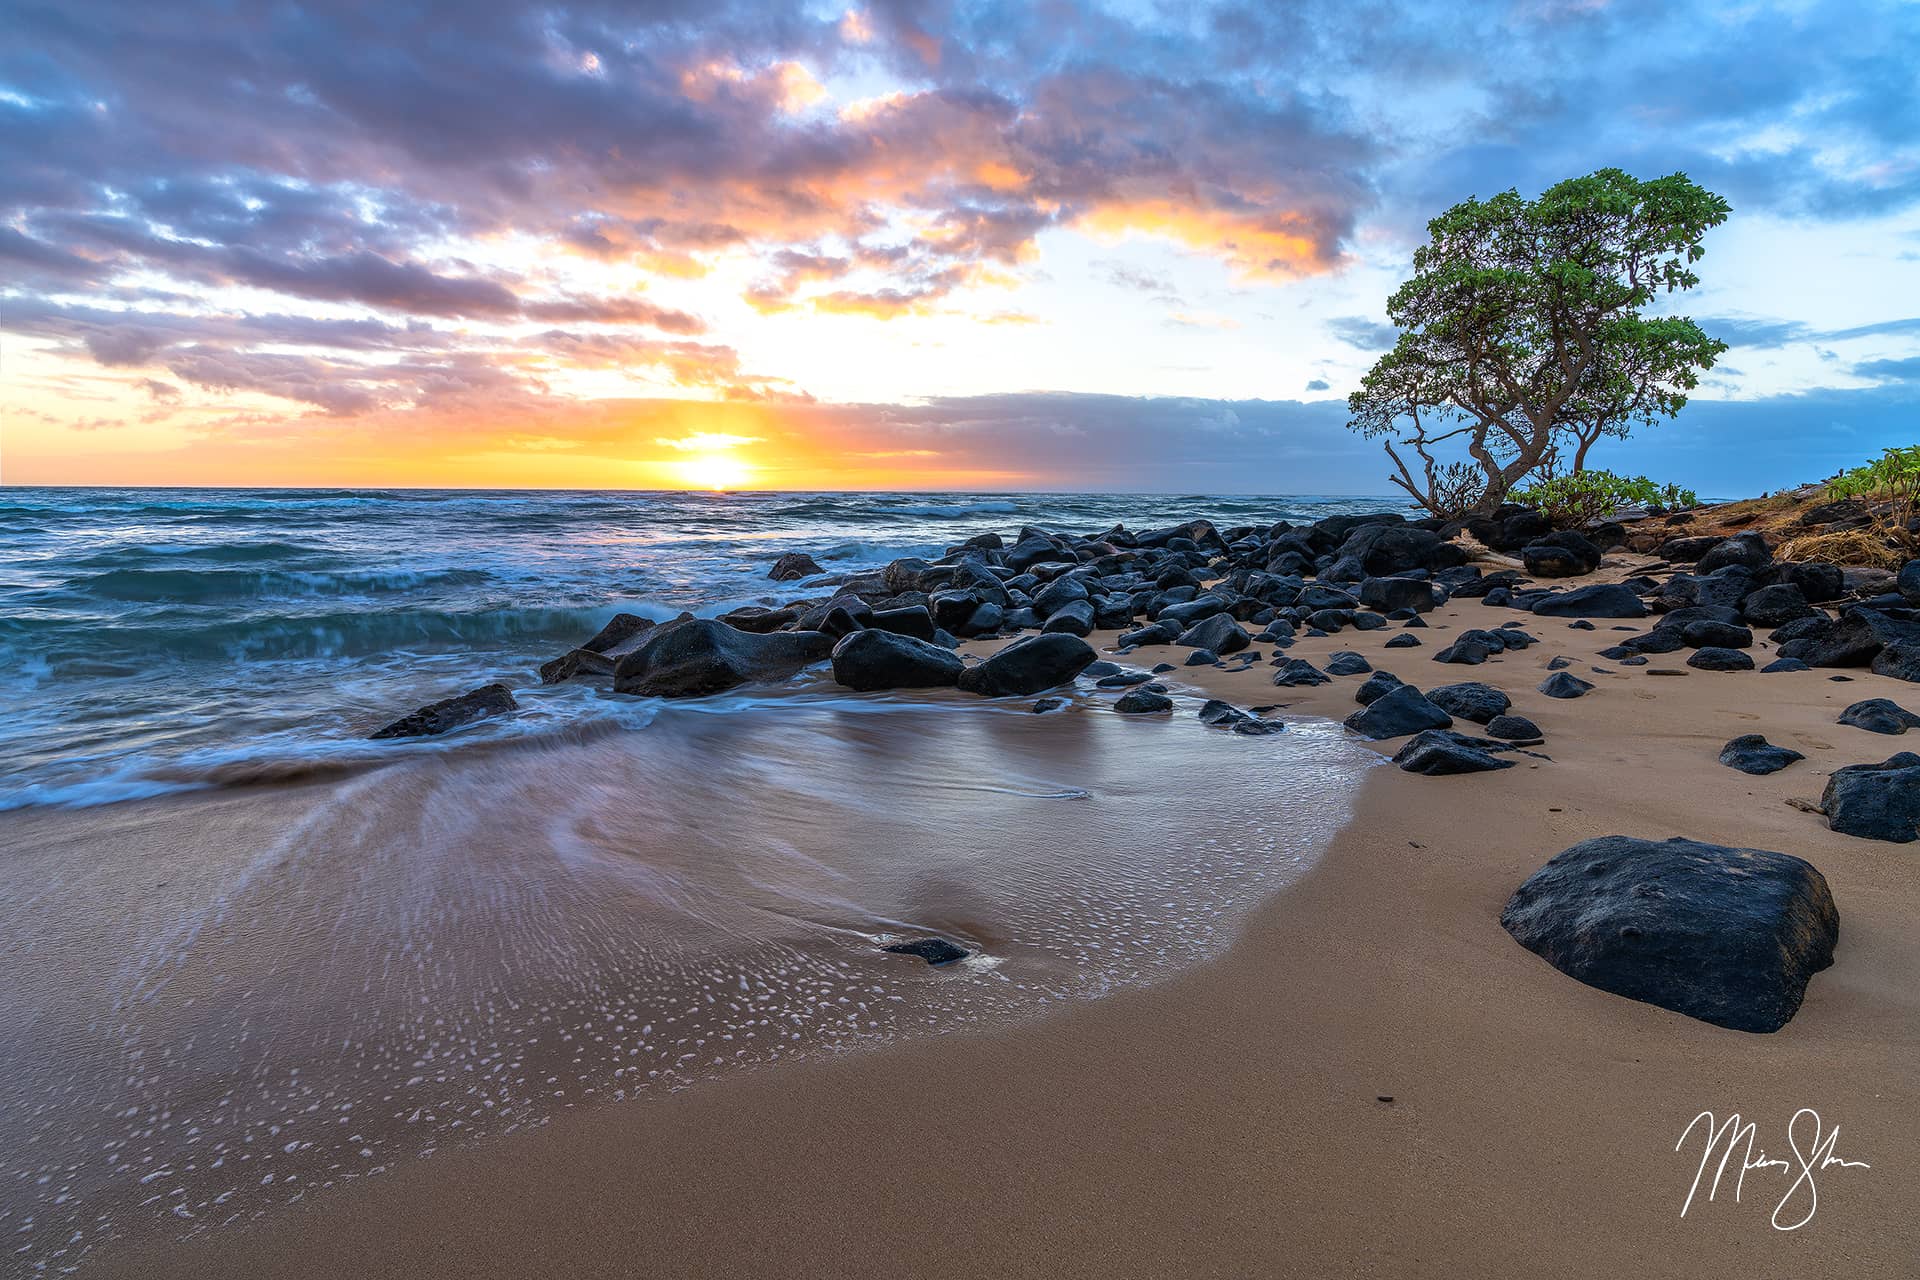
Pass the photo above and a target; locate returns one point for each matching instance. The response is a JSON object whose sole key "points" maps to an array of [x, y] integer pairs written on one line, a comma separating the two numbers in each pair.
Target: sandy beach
{"points": [[1374, 1080]]}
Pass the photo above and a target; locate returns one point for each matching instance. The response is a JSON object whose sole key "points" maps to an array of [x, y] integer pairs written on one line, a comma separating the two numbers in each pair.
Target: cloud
{"points": [[1365, 334], [1318, 384], [1905, 370]]}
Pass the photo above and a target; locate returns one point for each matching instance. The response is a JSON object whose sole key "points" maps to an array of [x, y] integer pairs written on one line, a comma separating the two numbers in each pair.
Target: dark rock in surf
{"points": [[451, 713], [794, 566], [693, 657], [935, 951], [875, 659], [1027, 666]]}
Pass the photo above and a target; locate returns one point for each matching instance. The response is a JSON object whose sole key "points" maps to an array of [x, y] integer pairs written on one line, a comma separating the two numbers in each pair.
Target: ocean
{"points": [[156, 640], [255, 957]]}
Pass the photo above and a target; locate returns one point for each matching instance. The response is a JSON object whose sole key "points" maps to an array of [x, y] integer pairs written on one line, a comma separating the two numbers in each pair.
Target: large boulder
{"points": [[1074, 618], [875, 659], [1599, 600], [1028, 666], [1876, 801], [1879, 715], [693, 657], [1399, 712], [451, 713], [1470, 700], [1381, 549], [1775, 605], [1566, 554], [793, 566], [1907, 583], [1855, 640], [1727, 935], [1748, 550], [1388, 594], [597, 656], [1219, 633], [1438, 753]]}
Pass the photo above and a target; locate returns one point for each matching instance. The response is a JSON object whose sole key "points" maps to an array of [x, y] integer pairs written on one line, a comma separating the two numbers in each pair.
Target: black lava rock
{"points": [[1752, 753], [1600, 600], [1562, 685], [935, 951], [1438, 753], [691, 657], [1879, 715], [1347, 663], [1726, 935], [1397, 713], [1136, 702], [1876, 801], [1032, 665], [874, 659], [1473, 701], [1378, 685], [1298, 671], [794, 565], [1404, 641], [1716, 659], [450, 713], [1514, 729]]}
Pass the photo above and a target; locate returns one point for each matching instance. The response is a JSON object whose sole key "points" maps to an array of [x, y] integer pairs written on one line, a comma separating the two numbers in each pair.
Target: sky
{"points": [[909, 245]]}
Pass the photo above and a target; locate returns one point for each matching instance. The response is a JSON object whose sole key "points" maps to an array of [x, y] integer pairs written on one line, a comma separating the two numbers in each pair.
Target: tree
{"points": [[1522, 333]]}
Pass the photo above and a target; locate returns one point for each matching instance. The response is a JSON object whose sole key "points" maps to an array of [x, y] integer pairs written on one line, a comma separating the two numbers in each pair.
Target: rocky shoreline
{"points": [[1728, 935]]}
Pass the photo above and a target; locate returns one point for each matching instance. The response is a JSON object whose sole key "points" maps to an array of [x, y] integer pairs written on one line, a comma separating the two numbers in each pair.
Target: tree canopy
{"points": [[1522, 333]]}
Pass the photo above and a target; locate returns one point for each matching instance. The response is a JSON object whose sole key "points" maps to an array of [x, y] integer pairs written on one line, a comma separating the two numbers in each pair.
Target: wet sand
{"points": [[1229, 1121]]}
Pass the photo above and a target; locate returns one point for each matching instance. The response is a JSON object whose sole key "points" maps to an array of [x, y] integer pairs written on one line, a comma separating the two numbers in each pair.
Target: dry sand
{"points": [[1229, 1122]]}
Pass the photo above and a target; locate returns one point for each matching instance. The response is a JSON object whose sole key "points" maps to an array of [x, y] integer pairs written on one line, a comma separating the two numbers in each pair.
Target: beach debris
{"points": [[1727, 935], [451, 713], [1752, 753]]}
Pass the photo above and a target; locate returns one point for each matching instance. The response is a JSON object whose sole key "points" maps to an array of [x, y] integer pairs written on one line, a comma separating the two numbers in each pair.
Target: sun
{"points": [[716, 471]]}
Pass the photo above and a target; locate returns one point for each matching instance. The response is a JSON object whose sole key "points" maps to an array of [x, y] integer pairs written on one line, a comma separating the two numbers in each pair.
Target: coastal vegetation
{"points": [[1581, 497], [1525, 337]]}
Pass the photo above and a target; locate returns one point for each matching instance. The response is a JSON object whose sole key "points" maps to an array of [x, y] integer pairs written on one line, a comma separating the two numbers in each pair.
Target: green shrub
{"points": [[1586, 496]]}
